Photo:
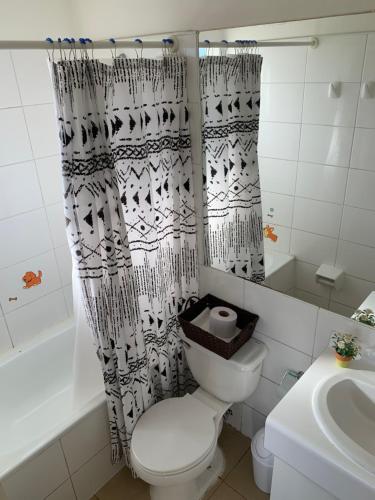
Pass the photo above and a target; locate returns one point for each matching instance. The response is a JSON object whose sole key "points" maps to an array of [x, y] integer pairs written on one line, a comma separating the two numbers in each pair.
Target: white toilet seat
{"points": [[174, 436]]}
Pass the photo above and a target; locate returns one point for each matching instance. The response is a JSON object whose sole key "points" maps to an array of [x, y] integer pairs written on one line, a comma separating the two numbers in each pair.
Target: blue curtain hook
{"points": [[139, 41], [88, 40], [50, 41], [113, 41]]}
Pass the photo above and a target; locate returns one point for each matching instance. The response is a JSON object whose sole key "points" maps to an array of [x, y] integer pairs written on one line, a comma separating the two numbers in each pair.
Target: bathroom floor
{"points": [[236, 482]]}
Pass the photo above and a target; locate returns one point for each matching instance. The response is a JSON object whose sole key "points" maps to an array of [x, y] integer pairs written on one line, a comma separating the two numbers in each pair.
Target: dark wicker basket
{"points": [[246, 322]]}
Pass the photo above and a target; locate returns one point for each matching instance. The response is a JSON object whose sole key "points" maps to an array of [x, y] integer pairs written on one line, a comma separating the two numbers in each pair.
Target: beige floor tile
{"points": [[234, 445], [224, 492], [241, 479], [213, 488], [123, 485]]}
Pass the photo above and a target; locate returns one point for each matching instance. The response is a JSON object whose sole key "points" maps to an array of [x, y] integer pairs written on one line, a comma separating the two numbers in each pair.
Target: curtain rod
{"points": [[67, 43], [171, 43], [206, 44]]}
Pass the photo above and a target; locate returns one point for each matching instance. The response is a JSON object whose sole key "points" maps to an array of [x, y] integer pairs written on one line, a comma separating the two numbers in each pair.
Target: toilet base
{"points": [[194, 489]]}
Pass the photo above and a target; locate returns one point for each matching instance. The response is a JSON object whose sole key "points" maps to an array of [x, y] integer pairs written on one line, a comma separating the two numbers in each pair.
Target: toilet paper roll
{"points": [[222, 322]]}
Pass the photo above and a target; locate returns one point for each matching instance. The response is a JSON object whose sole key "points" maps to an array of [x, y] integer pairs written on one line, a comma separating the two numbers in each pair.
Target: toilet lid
{"points": [[174, 435]]}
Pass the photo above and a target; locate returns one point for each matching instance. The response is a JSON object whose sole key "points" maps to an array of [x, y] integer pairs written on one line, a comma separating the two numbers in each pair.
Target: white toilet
{"points": [[174, 444]]}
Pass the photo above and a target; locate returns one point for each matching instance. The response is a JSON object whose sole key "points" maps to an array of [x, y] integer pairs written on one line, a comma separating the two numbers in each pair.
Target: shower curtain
{"points": [[130, 220], [230, 95]]}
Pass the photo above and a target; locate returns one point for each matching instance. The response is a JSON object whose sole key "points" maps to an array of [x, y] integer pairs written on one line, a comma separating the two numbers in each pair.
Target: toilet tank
{"points": [[231, 380]]}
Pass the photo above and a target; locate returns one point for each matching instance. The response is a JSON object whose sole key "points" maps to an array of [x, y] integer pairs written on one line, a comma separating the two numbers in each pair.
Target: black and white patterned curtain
{"points": [[230, 95], [130, 221]]}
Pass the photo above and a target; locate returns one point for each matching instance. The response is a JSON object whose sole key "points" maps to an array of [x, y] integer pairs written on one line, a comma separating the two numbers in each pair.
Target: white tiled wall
{"points": [[317, 163], [295, 333], [32, 228]]}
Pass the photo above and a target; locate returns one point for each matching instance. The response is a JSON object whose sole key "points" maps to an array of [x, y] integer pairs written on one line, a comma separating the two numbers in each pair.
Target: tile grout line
{"points": [[350, 158], [44, 207], [299, 151]]}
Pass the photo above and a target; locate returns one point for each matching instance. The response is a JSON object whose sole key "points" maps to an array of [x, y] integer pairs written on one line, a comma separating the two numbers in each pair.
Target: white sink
{"points": [[344, 407]]}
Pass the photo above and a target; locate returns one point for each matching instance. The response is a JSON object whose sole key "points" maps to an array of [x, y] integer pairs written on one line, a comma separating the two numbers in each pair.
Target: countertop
{"points": [[294, 436]]}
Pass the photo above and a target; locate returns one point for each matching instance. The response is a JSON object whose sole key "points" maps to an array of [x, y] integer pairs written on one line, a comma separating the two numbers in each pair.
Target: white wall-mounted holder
{"points": [[367, 90], [334, 90], [330, 276]]}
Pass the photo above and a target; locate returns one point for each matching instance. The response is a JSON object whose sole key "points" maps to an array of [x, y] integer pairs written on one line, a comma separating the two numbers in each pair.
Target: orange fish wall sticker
{"points": [[269, 233], [31, 279]]}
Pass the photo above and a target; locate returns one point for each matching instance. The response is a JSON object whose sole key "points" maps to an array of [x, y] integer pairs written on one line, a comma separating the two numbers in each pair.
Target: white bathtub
{"points": [[279, 270], [36, 398], [274, 261]]}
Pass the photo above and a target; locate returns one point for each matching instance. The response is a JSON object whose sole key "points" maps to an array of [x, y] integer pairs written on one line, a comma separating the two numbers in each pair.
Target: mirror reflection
{"points": [[288, 158]]}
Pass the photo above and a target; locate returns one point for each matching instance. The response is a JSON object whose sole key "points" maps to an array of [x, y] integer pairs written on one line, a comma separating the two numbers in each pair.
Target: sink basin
{"points": [[344, 407]]}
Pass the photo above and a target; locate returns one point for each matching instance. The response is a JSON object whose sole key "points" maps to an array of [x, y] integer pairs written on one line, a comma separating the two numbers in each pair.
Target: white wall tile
{"points": [[277, 208], [313, 248], [305, 279], [282, 244], [366, 108], [281, 317], [337, 58], [281, 357], [64, 263], [252, 421], [321, 182], [327, 145], [94, 474], [356, 226], [63, 492], [320, 109], [360, 191], [42, 127], [368, 66], [317, 217], [223, 285], [19, 189], [9, 96], [353, 292], [278, 176], [338, 308], [33, 77], [38, 477], [56, 222], [15, 144], [363, 152], [284, 65], [281, 102], [356, 260], [12, 284], [68, 295], [365, 113], [265, 397], [5, 341], [279, 140], [328, 322], [311, 298], [32, 319], [86, 438], [23, 237], [50, 177]]}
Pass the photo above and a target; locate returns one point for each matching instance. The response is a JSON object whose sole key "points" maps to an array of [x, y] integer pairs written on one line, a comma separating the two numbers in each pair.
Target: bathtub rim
{"points": [[14, 460]]}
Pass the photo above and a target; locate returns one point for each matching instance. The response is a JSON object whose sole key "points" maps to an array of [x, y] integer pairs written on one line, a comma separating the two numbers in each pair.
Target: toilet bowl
{"points": [[174, 444]]}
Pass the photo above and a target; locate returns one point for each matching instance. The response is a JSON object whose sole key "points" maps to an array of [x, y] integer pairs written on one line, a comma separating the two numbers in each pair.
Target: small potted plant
{"points": [[366, 316], [346, 347]]}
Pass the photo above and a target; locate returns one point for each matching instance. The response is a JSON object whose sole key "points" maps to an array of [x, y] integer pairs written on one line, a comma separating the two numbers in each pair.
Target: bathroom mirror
{"points": [[289, 153]]}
